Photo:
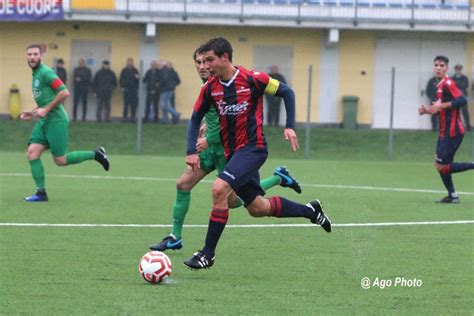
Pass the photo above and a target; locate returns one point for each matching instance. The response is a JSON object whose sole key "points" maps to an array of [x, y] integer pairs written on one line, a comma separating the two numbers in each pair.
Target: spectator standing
{"points": [[462, 82], [169, 79], [151, 80], [82, 80], [177, 81], [104, 83], [129, 81], [431, 90], [274, 102], [61, 71]]}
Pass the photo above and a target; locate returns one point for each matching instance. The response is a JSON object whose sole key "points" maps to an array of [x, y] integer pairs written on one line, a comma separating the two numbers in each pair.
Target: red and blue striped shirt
{"points": [[450, 123], [239, 105]]}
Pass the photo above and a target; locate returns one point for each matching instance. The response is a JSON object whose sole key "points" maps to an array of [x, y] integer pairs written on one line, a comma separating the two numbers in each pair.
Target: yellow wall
{"points": [[177, 43], [58, 37], [93, 4], [357, 55]]}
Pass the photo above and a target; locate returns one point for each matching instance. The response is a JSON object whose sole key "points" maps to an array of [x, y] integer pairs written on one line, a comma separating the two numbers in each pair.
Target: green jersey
{"points": [[213, 135], [46, 85]]}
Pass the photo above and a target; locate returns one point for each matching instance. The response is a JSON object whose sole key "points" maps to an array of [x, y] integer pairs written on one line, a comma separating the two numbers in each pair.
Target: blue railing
{"points": [[410, 12]]}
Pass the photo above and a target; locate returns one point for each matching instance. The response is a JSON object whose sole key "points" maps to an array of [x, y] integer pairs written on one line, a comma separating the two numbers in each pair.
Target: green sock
{"points": [[265, 184], [180, 208], [270, 182], [37, 171], [79, 156]]}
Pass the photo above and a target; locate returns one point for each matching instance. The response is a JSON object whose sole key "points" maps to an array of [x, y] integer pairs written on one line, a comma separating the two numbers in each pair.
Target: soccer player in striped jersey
{"points": [[51, 129], [451, 130], [211, 158], [237, 95]]}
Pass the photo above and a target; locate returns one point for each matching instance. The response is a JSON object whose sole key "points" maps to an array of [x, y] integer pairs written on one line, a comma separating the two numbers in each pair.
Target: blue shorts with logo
{"points": [[446, 149], [241, 172]]}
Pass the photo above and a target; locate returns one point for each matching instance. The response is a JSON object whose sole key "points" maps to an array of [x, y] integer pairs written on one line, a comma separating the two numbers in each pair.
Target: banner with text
{"points": [[31, 10]]}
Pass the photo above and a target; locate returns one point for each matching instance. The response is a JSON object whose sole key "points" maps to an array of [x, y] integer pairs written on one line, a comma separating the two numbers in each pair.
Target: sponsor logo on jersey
{"points": [[243, 89], [231, 109], [36, 83], [36, 93]]}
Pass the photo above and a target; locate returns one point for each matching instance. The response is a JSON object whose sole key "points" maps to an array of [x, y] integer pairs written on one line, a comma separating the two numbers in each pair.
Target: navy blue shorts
{"points": [[446, 149], [241, 172]]}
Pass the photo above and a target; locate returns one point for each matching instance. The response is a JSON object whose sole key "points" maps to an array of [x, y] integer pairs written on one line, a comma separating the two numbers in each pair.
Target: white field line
{"points": [[237, 226], [329, 186]]}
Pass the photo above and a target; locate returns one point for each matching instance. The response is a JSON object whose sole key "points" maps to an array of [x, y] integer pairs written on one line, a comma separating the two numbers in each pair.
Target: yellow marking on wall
{"points": [[93, 4], [356, 71]]}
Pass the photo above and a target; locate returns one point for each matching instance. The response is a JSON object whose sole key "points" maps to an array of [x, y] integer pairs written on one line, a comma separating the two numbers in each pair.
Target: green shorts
{"points": [[51, 134], [213, 158]]}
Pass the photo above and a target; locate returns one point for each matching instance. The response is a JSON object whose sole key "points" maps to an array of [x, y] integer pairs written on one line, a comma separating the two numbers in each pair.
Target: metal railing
{"points": [[296, 12]]}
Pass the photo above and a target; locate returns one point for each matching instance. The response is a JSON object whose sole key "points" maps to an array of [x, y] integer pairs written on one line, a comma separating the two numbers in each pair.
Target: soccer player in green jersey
{"points": [[211, 158], [51, 129]]}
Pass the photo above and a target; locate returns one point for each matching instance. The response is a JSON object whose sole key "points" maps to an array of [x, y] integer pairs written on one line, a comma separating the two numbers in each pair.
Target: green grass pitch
{"points": [[258, 270]]}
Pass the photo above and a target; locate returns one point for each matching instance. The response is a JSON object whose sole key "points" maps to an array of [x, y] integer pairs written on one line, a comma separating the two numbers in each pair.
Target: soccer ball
{"points": [[154, 267]]}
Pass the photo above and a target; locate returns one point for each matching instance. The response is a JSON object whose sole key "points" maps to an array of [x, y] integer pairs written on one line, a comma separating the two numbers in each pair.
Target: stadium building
{"points": [[349, 45]]}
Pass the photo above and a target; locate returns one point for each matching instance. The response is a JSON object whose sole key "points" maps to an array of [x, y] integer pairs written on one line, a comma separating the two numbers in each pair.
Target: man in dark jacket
{"points": [[151, 80], [104, 83], [82, 77], [176, 80], [169, 79], [129, 81], [463, 83], [61, 71]]}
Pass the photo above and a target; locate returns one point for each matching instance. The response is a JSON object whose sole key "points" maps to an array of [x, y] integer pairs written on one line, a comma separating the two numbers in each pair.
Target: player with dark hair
{"points": [[211, 158], [51, 130], [451, 130], [237, 96]]}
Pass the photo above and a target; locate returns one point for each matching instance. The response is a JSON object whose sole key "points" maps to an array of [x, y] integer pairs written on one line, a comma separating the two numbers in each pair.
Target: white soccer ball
{"points": [[155, 267]]}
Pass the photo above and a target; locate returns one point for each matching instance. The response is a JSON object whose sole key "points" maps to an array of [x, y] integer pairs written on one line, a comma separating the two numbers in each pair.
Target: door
{"points": [[407, 95], [93, 52], [414, 67], [282, 56]]}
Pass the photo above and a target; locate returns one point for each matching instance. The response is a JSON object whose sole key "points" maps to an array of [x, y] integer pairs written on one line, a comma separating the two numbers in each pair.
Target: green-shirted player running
{"points": [[212, 158], [51, 129]]}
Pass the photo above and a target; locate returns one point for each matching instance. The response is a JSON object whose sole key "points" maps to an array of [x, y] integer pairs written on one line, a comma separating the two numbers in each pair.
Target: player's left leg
{"points": [[281, 177], [37, 171], [445, 152], [277, 206], [57, 135], [455, 167], [37, 144]]}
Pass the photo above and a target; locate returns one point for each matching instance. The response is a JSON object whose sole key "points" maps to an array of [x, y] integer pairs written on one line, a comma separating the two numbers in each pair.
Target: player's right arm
{"points": [[60, 97], [457, 99], [27, 115], [201, 106], [422, 110]]}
